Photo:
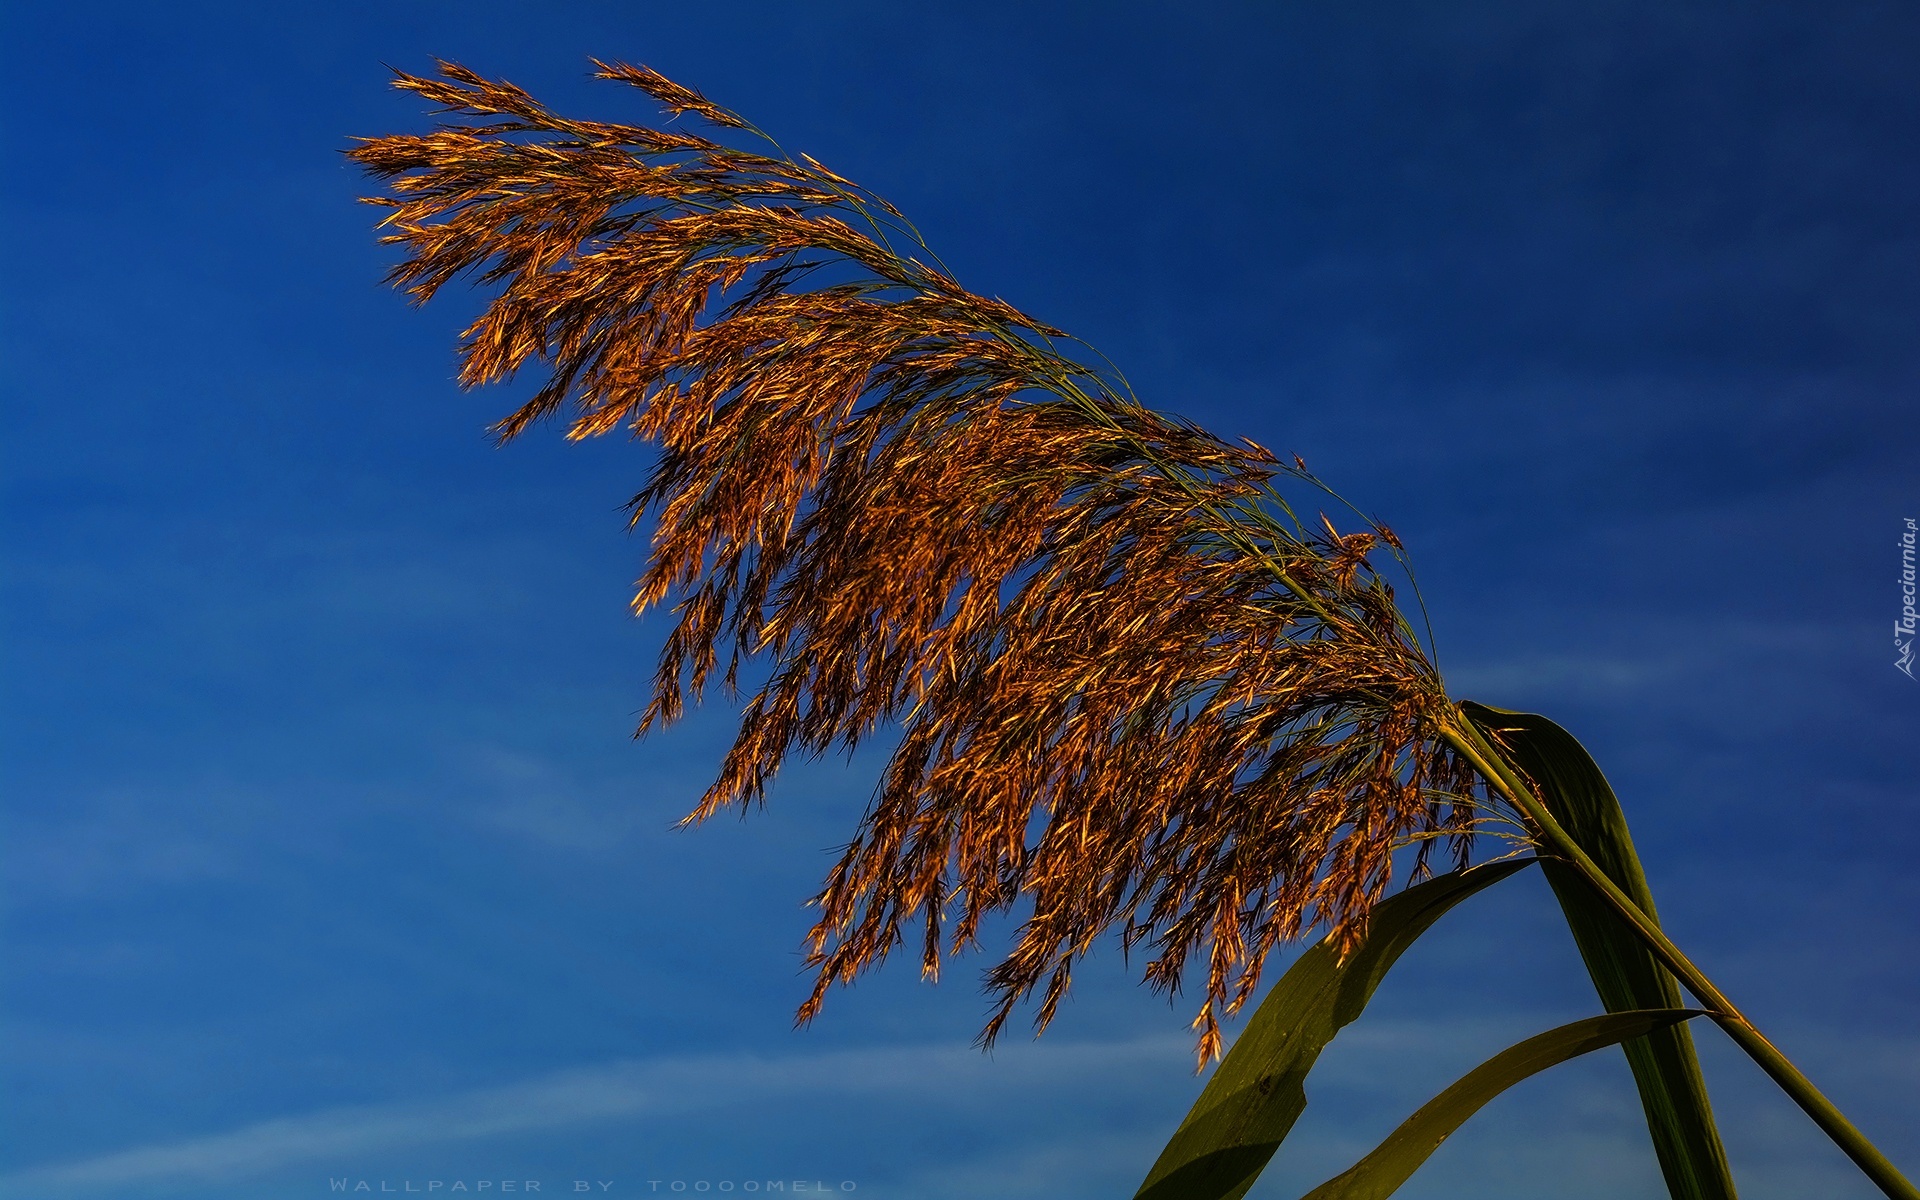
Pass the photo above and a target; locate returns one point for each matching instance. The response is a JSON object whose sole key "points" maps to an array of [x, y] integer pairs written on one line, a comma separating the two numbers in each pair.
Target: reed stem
{"points": [[1467, 739]]}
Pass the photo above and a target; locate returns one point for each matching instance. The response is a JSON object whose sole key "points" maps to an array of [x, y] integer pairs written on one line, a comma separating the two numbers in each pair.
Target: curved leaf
{"points": [[1672, 1091], [1258, 1091], [1393, 1161]]}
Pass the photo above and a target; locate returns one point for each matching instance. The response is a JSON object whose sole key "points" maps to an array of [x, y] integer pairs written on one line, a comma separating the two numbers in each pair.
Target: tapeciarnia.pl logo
{"points": [[1903, 628]]}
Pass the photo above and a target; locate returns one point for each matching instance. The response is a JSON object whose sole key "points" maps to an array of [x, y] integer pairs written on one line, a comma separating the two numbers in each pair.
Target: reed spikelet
{"points": [[1131, 689]]}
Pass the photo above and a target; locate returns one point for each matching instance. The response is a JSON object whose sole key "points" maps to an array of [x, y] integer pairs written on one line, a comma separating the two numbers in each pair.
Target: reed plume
{"points": [[1132, 690]]}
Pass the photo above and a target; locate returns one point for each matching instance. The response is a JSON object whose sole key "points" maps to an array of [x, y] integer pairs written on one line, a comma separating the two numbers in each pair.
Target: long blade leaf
{"points": [[1625, 974], [1258, 1091], [1393, 1161]]}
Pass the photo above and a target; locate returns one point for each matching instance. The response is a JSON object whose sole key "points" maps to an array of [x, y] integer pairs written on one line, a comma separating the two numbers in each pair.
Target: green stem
{"points": [[1463, 736]]}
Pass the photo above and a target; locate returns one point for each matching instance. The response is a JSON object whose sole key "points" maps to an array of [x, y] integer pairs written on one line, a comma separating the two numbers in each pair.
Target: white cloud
{"points": [[1659, 659], [1587, 1135], [86, 845], [585, 1096]]}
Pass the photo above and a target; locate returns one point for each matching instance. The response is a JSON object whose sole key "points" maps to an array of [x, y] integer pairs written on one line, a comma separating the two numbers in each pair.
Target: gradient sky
{"points": [[327, 855]]}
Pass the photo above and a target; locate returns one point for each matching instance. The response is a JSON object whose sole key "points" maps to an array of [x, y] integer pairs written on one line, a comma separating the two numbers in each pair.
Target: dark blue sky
{"points": [[327, 854]]}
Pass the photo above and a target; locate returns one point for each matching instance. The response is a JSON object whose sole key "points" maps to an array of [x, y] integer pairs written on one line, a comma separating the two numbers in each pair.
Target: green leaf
{"points": [[1393, 1161], [1672, 1091], [1258, 1091]]}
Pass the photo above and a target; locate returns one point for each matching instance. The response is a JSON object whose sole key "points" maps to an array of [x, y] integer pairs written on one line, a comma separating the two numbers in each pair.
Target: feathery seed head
{"points": [[1132, 691]]}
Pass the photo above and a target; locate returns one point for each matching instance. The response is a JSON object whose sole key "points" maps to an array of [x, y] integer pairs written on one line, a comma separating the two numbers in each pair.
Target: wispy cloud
{"points": [[1370, 1078], [587, 1096], [1694, 656], [115, 840]]}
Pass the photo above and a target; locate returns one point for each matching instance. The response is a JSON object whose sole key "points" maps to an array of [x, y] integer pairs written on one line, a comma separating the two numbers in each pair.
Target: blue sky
{"points": [[327, 854]]}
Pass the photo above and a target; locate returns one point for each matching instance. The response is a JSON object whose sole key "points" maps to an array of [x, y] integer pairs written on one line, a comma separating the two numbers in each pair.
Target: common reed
{"points": [[1132, 689]]}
